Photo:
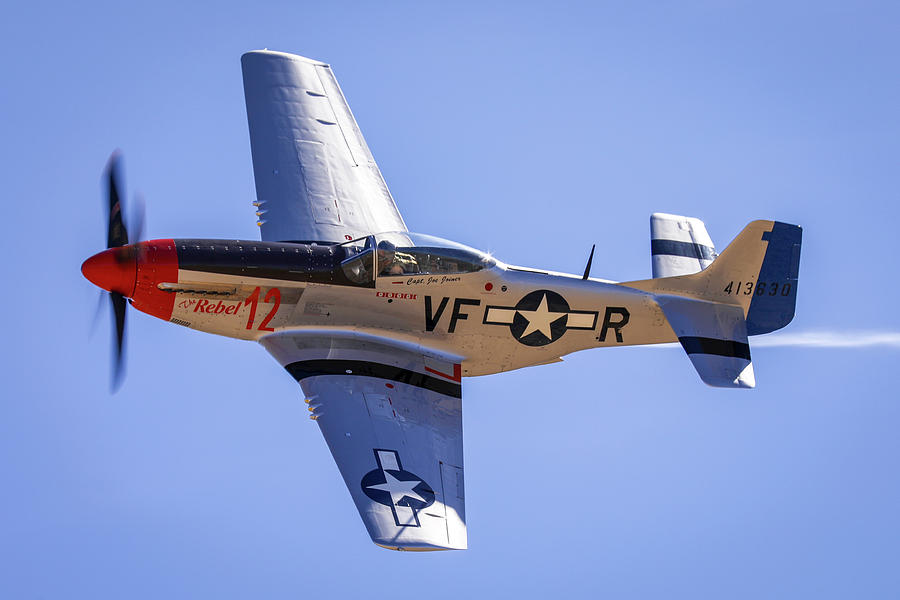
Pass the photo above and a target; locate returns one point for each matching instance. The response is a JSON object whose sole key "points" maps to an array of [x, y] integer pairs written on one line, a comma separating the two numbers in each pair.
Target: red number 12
{"points": [[273, 295]]}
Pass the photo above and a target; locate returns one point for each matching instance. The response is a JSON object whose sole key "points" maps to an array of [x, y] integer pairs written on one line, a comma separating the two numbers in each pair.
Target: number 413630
{"points": [[760, 288]]}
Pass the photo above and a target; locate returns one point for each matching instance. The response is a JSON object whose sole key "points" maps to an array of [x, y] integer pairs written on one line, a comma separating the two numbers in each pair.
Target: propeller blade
{"points": [[97, 310], [117, 235], [118, 370], [136, 232]]}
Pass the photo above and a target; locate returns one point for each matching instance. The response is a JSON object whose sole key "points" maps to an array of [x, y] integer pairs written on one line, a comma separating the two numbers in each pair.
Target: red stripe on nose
{"points": [[114, 270], [158, 264]]}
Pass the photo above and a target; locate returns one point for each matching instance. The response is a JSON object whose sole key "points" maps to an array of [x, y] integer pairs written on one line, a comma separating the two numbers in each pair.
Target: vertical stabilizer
{"points": [[758, 271]]}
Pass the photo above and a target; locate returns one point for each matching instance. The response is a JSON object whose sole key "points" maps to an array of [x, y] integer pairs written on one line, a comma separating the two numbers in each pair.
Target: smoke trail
{"points": [[819, 339], [829, 339]]}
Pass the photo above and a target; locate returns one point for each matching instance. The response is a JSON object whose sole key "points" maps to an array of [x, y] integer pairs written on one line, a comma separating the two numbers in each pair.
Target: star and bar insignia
{"points": [[540, 318], [404, 492]]}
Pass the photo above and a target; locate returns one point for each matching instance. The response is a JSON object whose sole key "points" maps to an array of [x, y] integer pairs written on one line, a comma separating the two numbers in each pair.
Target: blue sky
{"points": [[532, 131]]}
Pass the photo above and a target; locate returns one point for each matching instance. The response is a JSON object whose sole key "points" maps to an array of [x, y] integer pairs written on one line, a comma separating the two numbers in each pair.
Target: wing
{"points": [[316, 179], [391, 415]]}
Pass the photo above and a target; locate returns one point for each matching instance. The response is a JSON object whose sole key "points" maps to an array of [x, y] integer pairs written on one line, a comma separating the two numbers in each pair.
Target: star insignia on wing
{"points": [[398, 488]]}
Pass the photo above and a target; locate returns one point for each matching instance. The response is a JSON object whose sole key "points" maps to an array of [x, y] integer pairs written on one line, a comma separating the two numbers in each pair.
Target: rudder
{"points": [[775, 293]]}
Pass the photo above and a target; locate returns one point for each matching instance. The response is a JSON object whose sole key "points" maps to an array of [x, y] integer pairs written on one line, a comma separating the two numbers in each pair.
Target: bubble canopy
{"points": [[397, 253]]}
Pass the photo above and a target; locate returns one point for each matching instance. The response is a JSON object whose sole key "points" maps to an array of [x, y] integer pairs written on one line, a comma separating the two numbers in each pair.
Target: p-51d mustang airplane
{"points": [[380, 325]]}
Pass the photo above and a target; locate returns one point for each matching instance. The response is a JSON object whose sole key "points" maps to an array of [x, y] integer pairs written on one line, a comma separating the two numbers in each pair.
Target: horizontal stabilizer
{"points": [[715, 339], [679, 245]]}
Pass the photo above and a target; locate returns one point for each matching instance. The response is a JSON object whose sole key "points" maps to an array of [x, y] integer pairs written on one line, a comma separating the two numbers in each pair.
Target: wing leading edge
{"points": [[316, 179], [391, 415]]}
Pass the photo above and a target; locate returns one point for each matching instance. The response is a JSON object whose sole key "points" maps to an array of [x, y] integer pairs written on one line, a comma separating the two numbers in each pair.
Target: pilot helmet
{"points": [[386, 252]]}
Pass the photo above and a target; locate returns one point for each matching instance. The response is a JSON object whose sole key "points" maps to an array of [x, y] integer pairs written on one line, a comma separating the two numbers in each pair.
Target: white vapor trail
{"points": [[820, 339], [829, 339]]}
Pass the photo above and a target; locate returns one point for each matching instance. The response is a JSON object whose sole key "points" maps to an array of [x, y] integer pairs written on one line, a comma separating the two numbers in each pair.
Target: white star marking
{"points": [[540, 319], [398, 489]]}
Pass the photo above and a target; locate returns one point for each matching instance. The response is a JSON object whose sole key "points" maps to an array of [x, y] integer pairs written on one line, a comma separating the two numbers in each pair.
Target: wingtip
{"points": [[415, 548], [274, 54]]}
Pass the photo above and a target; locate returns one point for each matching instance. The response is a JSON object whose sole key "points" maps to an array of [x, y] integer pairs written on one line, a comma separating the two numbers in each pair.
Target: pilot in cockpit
{"points": [[387, 264], [392, 262]]}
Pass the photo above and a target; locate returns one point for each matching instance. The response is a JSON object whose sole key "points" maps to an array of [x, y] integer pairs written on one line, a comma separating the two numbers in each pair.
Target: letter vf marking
{"points": [[433, 317], [458, 316]]}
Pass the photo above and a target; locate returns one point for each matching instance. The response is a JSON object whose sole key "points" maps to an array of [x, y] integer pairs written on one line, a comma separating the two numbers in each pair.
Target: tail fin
{"points": [[749, 289], [679, 245], [757, 271], [760, 269]]}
